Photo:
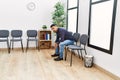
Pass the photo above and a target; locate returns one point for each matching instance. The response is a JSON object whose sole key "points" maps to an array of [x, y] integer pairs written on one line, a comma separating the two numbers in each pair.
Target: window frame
{"points": [[77, 7], [112, 27]]}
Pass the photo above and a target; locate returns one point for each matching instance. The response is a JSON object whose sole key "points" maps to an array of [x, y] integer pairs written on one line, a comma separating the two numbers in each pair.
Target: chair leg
{"points": [[71, 58], [8, 46], [81, 54], [36, 45], [22, 46], [85, 52], [12, 44], [27, 46], [78, 53], [66, 53]]}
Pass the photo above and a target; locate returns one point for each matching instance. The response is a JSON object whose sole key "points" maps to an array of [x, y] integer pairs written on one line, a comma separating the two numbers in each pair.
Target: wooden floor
{"points": [[35, 65]]}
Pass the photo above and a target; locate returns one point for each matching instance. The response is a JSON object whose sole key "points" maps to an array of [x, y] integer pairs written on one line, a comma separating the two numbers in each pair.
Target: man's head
{"points": [[54, 28]]}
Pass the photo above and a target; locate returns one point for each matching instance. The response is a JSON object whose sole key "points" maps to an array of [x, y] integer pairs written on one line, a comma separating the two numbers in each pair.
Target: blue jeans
{"points": [[59, 50]]}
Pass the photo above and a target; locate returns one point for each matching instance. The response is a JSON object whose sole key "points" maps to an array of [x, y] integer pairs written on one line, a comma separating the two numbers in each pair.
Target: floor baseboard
{"points": [[107, 72], [18, 48]]}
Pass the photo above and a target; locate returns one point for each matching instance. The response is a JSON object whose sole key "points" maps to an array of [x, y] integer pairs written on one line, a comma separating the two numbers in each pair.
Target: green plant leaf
{"points": [[58, 16]]}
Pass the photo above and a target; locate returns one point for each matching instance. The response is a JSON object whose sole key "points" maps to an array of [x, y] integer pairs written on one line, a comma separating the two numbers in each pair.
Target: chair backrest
{"points": [[76, 36], [16, 33], [70, 32], [4, 33], [32, 33], [83, 39]]}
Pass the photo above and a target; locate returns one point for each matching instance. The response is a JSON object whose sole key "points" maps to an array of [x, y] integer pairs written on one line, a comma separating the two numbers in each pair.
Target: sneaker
{"points": [[58, 59], [54, 55]]}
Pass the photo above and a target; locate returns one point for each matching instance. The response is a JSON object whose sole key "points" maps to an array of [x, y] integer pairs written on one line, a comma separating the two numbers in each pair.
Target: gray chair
{"points": [[83, 42], [32, 36], [4, 34], [76, 37], [16, 37]]}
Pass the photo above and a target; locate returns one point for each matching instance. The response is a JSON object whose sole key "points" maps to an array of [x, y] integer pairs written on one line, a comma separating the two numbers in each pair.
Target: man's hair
{"points": [[52, 25]]}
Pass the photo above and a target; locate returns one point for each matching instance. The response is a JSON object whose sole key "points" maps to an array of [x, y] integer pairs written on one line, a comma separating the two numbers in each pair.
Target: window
{"points": [[72, 3], [72, 17], [101, 24]]}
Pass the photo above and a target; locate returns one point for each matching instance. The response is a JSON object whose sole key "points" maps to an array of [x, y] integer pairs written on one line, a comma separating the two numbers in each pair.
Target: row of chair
{"points": [[82, 40], [32, 36], [17, 36]]}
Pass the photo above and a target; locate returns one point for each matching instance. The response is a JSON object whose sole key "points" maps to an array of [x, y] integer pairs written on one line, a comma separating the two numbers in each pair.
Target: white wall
{"points": [[104, 60], [15, 15]]}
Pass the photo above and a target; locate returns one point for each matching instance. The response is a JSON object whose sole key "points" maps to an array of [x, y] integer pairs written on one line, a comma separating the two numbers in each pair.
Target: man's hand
{"points": [[56, 45]]}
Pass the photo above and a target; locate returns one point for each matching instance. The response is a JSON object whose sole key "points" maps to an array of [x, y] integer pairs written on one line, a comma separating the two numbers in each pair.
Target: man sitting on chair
{"points": [[63, 37]]}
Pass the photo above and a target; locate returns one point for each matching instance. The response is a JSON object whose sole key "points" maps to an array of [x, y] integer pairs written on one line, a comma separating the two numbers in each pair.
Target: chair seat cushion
{"points": [[16, 40], [74, 47], [3, 40], [30, 39]]}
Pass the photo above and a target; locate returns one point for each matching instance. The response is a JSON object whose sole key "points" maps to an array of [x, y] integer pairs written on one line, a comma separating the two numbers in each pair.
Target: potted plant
{"points": [[44, 27], [58, 16]]}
